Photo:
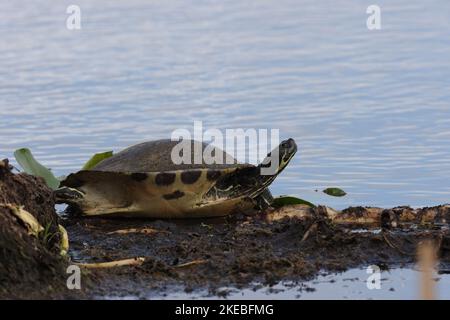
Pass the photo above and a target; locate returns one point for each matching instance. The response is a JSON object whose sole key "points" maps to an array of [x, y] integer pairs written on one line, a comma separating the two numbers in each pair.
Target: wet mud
{"points": [[293, 244], [150, 258]]}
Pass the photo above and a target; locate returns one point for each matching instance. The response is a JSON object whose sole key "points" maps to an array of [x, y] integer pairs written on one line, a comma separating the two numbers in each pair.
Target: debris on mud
{"points": [[293, 243], [30, 262], [149, 258]]}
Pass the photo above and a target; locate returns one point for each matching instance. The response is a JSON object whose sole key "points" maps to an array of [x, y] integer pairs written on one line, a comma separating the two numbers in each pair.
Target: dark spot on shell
{"points": [[175, 195], [189, 177], [139, 176], [212, 175], [164, 178]]}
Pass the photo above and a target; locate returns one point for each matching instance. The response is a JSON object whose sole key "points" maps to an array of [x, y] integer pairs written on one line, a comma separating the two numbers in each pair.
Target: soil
{"points": [[30, 266], [292, 243]]}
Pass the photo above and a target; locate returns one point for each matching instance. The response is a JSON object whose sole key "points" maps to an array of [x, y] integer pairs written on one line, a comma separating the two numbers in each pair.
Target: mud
{"points": [[30, 264], [294, 243]]}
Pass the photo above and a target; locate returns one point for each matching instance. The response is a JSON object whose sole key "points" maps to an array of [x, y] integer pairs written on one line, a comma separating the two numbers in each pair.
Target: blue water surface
{"points": [[369, 109]]}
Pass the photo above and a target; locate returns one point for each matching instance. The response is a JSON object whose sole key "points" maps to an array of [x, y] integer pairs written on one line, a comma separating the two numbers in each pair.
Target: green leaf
{"points": [[33, 167], [96, 158], [335, 192], [287, 200]]}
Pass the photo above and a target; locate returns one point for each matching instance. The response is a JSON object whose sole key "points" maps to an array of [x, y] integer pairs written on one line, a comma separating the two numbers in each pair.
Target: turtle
{"points": [[143, 181]]}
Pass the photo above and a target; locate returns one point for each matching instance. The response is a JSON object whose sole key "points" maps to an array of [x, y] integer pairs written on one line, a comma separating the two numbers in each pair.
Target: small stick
{"points": [[307, 233], [135, 230], [191, 263], [112, 264]]}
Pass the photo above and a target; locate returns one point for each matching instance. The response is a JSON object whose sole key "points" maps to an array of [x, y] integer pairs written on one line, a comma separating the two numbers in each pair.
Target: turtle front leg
{"points": [[264, 200]]}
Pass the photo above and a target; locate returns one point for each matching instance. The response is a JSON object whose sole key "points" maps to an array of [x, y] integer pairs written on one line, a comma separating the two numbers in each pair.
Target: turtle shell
{"points": [[155, 156]]}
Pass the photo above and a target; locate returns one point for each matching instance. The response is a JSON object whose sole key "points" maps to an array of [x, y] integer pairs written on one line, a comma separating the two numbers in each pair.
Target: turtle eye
{"points": [[284, 144]]}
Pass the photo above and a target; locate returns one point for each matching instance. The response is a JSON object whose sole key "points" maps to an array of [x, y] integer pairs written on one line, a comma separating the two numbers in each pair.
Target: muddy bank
{"points": [[293, 243], [30, 262]]}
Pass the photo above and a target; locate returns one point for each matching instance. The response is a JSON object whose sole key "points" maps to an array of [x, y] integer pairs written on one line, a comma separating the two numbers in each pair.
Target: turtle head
{"points": [[68, 195], [284, 152], [251, 181], [286, 149]]}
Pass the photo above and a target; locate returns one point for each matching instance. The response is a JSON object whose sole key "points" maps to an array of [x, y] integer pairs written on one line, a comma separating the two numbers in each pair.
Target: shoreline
{"points": [[292, 243]]}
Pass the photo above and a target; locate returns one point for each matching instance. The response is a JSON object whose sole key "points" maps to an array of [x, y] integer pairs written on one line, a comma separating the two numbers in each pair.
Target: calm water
{"points": [[369, 109], [396, 284]]}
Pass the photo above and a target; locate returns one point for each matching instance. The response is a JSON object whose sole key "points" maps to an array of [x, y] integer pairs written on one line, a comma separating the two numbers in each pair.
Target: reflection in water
{"points": [[369, 109]]}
